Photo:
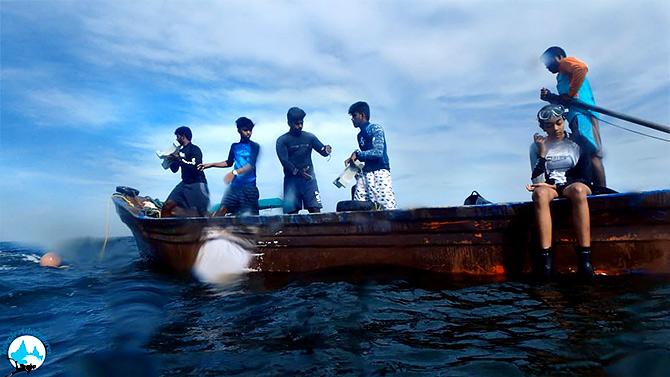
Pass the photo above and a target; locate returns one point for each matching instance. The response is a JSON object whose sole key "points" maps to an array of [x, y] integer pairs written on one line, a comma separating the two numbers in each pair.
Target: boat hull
{"points": [[630, 234]]}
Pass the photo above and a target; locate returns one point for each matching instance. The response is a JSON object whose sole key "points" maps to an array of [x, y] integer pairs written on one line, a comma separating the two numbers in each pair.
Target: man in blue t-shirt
{"points": [[241, 198], [191, 196], [294, 150]]}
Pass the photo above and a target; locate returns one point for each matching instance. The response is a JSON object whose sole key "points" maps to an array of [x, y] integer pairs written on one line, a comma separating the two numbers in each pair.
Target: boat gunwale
{"points": [[421, 214]]}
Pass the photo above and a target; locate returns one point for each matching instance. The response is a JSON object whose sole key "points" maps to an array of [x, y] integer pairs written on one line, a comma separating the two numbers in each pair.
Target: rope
{"points": [[104, 244], [633, 131]]}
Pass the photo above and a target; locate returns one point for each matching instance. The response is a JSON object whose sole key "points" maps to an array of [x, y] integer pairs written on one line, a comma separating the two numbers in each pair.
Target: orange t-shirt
{"points": [[577, 70]]}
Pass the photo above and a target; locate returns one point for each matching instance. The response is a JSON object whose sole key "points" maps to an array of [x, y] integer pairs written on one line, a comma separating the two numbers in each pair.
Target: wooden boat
{"points": [[630, 232]]}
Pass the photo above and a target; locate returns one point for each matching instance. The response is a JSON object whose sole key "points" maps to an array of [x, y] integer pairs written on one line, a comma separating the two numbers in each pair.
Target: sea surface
{"points": [[110, 314]]}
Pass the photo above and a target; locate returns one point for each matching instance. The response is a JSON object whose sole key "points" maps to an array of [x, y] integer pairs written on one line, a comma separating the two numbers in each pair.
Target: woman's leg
{"points": [[581, 218], [576, 193], [542, 196]]}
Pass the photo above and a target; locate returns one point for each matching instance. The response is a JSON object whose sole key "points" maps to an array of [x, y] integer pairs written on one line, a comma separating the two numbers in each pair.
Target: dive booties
{"points": [[584, 266], [544, 264]]}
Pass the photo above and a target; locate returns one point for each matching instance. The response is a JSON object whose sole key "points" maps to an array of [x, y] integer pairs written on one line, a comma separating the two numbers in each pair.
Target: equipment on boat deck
{"points": [[475, 199]]}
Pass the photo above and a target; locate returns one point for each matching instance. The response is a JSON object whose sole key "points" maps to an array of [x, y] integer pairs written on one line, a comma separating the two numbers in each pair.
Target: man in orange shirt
{"points": [[571, 82]]}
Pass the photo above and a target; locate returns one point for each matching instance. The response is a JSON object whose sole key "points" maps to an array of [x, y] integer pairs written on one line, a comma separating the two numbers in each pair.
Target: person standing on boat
{"points": [[374, 183], [560, 169], [572, 83], [191, 196], [294, 150], [241, 198]]}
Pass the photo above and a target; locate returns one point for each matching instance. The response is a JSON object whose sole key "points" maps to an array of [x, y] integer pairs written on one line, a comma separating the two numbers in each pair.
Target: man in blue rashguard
{"points": [[294, 150], [374, 183], [241, 198]]}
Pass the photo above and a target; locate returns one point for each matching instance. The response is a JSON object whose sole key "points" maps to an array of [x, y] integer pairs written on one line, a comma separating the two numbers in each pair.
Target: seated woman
{"points": [[560, 169]]}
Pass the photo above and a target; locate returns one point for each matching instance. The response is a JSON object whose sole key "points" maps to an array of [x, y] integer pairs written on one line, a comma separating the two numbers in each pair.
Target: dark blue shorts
{"points": [[191, 196], [241, 200], [300, 193]]}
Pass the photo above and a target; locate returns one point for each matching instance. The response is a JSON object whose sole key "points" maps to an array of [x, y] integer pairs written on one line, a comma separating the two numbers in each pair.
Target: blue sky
{"points": [[90, 89]]}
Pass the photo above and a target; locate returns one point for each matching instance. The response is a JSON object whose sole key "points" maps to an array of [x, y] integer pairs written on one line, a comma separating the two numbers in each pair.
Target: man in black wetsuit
{"points": [[191, 196], [294, 150]]}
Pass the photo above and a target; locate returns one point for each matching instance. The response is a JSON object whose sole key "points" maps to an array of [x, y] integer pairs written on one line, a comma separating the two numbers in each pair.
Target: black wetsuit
{"points": [[294, 150]]}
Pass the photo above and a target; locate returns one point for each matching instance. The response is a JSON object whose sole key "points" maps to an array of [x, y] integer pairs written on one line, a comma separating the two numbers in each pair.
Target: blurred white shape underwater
{"points": [[221, 258]]}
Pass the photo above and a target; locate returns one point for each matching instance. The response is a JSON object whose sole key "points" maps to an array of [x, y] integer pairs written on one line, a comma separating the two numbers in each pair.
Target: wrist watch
{"points": [[235, 172]]}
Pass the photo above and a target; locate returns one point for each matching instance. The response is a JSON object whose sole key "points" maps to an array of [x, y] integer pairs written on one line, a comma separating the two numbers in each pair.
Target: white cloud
{"points": [[56, 107]]}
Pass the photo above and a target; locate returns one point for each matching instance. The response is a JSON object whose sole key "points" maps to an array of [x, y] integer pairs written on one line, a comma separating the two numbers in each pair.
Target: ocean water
{"points": [[113, 315]]}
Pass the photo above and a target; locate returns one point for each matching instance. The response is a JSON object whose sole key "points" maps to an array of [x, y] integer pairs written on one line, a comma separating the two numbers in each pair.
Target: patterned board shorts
{"points": [[375, 186]]}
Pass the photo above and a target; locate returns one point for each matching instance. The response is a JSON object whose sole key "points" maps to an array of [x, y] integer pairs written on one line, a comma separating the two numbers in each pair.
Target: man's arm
{"points": [[537, 163], [318, 146], [378, 143], [577, 70], [282, 153], [197, 154], [174, 165], [220, 164]]}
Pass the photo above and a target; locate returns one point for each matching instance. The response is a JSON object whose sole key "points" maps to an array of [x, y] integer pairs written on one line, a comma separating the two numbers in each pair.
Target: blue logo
{"points": [[26, 353]]}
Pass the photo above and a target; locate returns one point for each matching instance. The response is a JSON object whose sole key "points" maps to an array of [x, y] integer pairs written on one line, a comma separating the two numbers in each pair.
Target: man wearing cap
{"points": [[294, 150]]}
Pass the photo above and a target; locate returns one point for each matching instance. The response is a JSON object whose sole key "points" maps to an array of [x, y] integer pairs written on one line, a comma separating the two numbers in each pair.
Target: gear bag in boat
{"points": [[475, 199]]}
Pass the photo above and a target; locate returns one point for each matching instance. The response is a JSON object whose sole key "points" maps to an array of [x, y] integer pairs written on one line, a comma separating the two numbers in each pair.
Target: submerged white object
{"points": [[349, 174], [221, 258]]}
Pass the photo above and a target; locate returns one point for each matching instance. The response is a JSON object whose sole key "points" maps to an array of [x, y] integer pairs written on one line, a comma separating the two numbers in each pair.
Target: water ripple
{"points": [[116, 315]]}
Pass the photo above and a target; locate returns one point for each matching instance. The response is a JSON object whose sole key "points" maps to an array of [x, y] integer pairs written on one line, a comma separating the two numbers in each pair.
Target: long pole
{"points": [[577, 103]]}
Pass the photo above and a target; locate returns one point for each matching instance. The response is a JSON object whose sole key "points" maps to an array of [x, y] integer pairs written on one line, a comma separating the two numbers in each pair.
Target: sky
{"points": [[91, 89]]}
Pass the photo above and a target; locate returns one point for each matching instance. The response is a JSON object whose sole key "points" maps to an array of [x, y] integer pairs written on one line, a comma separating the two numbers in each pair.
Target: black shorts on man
{"points": [[191, 196], [241, 200]]}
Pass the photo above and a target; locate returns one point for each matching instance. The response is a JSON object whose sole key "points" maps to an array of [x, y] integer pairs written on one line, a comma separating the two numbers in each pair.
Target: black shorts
{"points": [[560, 187], [300, 193], [242, 200], [191, 196]]}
